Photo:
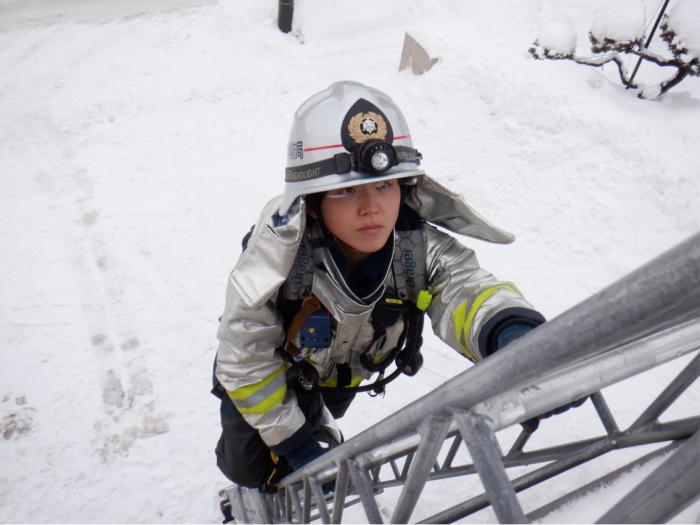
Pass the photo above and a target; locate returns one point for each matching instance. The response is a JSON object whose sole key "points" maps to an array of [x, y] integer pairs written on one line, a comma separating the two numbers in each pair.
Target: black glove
{"points": [[306, 453], [509, 333], [280, 470], [532, 424]]}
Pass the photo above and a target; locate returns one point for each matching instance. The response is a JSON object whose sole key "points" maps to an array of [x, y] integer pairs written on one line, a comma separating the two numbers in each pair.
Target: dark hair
{"points": [[313, 201], [409, 192]]}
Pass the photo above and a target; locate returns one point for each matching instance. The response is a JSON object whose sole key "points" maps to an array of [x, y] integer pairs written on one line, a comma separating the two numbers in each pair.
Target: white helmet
{"points": [[347, 134]]}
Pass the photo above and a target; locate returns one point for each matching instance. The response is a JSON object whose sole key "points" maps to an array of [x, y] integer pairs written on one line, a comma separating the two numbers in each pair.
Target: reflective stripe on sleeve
{"points": [[463, 316], [263, 395]]}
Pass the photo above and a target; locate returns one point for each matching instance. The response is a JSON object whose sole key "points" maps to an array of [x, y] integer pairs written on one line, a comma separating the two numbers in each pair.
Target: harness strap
{"points": [[344, 375]]}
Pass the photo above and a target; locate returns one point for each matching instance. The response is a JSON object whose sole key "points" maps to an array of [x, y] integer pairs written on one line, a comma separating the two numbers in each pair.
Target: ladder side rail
{"points": [[662, 353], [642, 354], [555, 389], [576, 381]]}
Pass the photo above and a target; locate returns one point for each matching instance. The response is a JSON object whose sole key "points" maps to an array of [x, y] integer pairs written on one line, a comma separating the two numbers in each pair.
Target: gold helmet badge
{"points": [[367, 126]]}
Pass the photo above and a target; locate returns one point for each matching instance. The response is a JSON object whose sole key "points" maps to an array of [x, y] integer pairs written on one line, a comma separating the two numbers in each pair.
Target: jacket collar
{"points": [[328, 257]]}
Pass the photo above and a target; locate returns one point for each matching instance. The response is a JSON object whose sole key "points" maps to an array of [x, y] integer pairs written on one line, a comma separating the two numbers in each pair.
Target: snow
{"points": [[558, 38], [684, 19], [137, 147], [621, 20]]}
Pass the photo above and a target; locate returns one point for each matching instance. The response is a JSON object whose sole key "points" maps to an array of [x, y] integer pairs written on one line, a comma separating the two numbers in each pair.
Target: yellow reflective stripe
{"points": [[458, 316], [333, 381], [463, 321], [272, 401], [261, 396]]}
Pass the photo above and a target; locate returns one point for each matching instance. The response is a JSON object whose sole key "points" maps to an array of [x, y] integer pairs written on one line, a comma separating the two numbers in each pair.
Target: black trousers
{"points": [[242, 455]]}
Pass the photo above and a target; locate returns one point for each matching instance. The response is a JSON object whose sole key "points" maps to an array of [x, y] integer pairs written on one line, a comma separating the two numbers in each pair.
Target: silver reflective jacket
{"points": [[465, 297]]}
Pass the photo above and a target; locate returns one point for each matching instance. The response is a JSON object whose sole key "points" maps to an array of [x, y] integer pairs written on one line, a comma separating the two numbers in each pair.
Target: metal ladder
{"points": [[646, 319]]}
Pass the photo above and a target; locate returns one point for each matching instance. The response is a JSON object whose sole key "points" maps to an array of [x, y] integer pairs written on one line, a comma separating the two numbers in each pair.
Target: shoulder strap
{"points": [[300, 278], [409, 265]]}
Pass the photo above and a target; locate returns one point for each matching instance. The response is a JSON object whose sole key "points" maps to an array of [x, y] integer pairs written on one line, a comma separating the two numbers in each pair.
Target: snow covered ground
{"points": [[137, 145]]}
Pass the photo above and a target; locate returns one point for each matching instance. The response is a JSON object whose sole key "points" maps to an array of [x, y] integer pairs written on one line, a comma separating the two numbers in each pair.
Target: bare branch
{"points": [[677, 78], [609, 50], [657, 59]]}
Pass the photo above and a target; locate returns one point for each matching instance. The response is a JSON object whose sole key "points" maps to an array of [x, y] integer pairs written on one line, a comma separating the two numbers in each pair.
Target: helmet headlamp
{"points": [[372, 158], [376, 157], [379, 161]]}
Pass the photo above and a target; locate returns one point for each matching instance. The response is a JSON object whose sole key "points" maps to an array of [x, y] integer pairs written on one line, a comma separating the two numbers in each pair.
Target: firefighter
{"points": [[334, 281]]}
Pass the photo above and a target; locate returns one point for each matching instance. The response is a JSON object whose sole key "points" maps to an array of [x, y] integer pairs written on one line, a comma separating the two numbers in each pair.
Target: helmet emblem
{"points": [[367, 126], [363, 122]]}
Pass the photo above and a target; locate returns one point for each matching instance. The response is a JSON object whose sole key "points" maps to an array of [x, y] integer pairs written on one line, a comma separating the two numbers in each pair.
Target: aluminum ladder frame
{"points": [[643, 320]]}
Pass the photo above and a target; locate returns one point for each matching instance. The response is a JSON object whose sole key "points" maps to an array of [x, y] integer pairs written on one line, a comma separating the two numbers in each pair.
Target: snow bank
{"points": [[558, 38], [621, 21], [684, 19]]}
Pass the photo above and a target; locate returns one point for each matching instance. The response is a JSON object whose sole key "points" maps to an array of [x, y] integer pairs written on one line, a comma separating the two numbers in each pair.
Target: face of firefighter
{"points": [[362, 217]]}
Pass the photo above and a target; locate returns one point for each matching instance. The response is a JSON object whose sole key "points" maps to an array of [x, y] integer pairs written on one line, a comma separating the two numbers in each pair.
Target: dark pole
{"points": [[284, 19], [651, 35]]}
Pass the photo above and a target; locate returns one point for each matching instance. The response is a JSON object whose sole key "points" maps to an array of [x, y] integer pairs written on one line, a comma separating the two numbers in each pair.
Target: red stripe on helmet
{"points": [[324, 147]]}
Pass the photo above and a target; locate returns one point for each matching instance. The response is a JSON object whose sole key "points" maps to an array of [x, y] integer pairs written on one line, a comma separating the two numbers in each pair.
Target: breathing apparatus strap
{"points": [[410, 354], [403, 357]]}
